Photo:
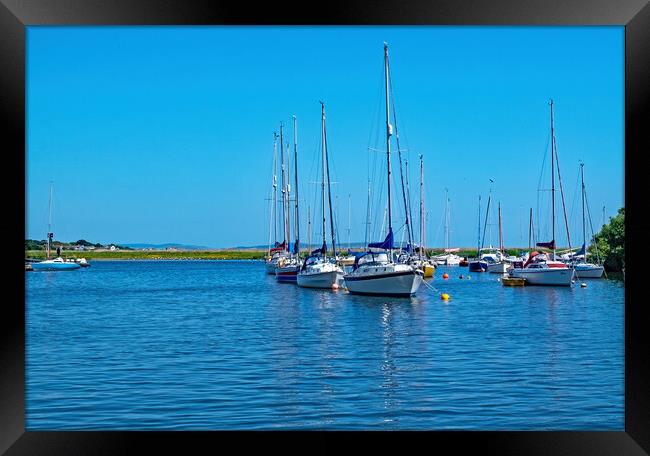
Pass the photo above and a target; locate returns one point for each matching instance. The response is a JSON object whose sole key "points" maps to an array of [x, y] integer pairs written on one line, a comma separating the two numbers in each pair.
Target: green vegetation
{"points": [[32, 244], [155, 254], [609, 243]]}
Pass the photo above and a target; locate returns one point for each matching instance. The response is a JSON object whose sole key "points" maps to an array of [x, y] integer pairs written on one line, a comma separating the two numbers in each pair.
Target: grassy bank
{"points": [[155, 254]]}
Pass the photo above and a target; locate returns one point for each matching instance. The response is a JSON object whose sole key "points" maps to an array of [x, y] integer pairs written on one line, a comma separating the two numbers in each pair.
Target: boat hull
{"points": [[498, 268], [589, 272], [319, 279], [402, 284], [270, 267], [550, 276], [287, 274], [478, 266], [42, 266]]}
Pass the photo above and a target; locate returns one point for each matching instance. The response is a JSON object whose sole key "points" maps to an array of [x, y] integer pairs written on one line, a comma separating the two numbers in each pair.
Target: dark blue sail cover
{"points": [[387, 244], [582, 250], [548, 245], [296, 247]]}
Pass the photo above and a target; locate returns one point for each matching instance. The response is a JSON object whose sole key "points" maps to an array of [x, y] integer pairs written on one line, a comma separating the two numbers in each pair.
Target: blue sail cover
{"points": [[408, 248], [387, 244], [581, 251], [296, 247], [548, 245]]}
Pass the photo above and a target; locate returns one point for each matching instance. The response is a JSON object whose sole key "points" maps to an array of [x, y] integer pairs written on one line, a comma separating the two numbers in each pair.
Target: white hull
{"points": [[543, 276], [50, 265], [404, 283], [589, 271], [320, 279], [498, 268]]}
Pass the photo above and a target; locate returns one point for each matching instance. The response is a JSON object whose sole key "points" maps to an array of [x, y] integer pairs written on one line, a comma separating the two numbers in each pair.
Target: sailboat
{"points": [[539, 268], [478, 264], [449, 258], [581, 267], [498, 264], [420, 260], [278, 251], [58, 263], [319, 271], [375, 272], [288, 267]]}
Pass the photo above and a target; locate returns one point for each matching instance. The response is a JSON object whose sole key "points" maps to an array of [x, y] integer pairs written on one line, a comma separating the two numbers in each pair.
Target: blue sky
{"points": [[165, 134]]}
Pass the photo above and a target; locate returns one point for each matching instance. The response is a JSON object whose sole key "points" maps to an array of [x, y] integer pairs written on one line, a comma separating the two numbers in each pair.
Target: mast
{"points": [[309, 227], [289, 211], [530, 229], [388, 134], [273, 218], [295, 173], [447, 219], [478, 247], [553, 177], [487, 212], [349, 217], [284, 193], [50, 235], [500, 230], [584, 233], [421, 205], [324, 165], [368, 214], [329, 190]]}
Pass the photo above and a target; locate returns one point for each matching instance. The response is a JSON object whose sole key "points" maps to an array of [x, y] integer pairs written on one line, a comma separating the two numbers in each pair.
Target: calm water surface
{"points": [[221, 345]]}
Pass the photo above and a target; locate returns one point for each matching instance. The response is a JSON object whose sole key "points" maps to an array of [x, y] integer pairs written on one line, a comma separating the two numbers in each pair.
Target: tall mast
{"points": [[284, 192], [584, 233], [478, 247], [487, 212], [324, 165], [273, 218], [553, 177], [289, 211], [49, 223], [295, 173], [329, 190], [388, 134], [421, 205]]}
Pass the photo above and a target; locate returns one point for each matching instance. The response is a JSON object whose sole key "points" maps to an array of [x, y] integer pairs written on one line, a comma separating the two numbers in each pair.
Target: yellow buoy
{"points": [[444, 297]]}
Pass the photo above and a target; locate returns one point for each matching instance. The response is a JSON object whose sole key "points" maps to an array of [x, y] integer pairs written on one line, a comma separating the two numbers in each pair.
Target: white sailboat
{"points": [[376, 273], [583, 269], [319, 271], [58, 263], [449, 258], [539, 269]]}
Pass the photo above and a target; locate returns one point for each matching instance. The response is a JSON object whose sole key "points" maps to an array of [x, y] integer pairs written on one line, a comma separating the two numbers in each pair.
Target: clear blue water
{"points": [[220, 345]]}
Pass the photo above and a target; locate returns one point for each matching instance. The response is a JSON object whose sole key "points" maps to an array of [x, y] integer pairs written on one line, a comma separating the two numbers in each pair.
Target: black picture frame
{"points": [[15, 15]]}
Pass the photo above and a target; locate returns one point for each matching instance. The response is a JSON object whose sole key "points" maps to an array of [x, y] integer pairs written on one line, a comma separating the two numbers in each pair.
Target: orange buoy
{"points": [[445, 276]]}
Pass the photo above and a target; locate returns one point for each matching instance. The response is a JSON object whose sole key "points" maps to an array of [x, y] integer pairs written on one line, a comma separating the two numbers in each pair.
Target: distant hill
{"points": [[167, 246]]}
